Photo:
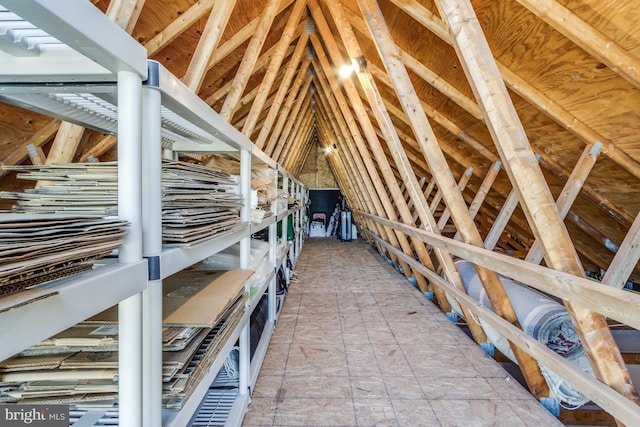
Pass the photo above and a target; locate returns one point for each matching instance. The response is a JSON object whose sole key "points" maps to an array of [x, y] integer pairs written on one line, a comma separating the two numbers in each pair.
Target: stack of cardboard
{"points": [[35, 249], [197, 202], [79, 366]]}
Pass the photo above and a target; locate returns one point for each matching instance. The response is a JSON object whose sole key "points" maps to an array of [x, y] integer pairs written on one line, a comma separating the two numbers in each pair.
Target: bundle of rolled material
{"points": [[541, 317]]}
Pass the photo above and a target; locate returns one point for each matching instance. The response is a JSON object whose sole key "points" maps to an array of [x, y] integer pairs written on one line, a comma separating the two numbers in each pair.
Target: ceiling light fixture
{"points": [[357, 65]]}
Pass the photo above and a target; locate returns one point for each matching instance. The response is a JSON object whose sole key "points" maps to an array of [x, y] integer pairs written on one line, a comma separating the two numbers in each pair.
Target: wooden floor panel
{"points": [[357, 345]]}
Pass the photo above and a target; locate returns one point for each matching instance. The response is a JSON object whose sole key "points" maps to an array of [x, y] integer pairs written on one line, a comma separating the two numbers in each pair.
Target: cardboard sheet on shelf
{"points": [[17, 364], [27, 296], [204, 298], [192, 297]]}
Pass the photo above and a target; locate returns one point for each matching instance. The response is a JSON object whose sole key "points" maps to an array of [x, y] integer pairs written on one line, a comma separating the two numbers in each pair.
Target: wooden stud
{"points": [[38, 139], [178, 26], [584, 35], [482, 192], [65, 144], [527, 179], [438, 165], [104, 145], [283, 112], [500, 223], [217, 22], [360, 154], [462, 183], [285, 86], [274, 66], [359, 169], [569, 192], [527, 91], [249, 60], [36, 155], [625, 259]]}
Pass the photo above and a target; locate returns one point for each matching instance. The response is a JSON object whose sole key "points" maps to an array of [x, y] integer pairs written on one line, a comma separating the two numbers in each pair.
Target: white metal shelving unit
{"points": [[82, 68], [186, 124], [70, 61]]}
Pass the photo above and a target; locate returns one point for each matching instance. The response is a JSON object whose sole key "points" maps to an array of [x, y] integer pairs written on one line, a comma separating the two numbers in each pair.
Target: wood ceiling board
{"points": [[561, 70], [616, 19], [155, 16], [243, 13], [431, 51], [616, 184]]}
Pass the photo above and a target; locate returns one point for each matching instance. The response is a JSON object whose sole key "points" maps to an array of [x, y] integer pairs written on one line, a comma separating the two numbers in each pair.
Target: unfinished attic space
{"points": [[319, 212]]}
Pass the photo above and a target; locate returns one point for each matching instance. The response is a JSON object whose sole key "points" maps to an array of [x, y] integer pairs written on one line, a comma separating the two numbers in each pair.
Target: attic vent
{"points": [[309, 26]]}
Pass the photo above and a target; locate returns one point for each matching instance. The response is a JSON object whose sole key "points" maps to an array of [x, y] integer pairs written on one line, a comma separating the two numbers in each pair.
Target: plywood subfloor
{"points": [[357, 345]]}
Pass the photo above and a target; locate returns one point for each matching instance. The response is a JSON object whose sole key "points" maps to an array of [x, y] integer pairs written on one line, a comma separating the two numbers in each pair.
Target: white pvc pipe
{"points": [[129, 208], [152, 248]]}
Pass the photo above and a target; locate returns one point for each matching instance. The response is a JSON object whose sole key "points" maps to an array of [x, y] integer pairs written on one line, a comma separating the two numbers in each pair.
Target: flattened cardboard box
{"points": [[193, 297]]}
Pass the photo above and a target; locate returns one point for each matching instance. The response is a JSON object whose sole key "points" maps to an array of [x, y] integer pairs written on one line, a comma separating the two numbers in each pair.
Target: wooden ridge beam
{"points": [[526, 177]]}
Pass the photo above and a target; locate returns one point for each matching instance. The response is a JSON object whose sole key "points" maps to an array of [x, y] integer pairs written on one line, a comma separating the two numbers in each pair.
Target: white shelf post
{"points": [[273, 251], [129, 208], [152, 249], [245, 262]]}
